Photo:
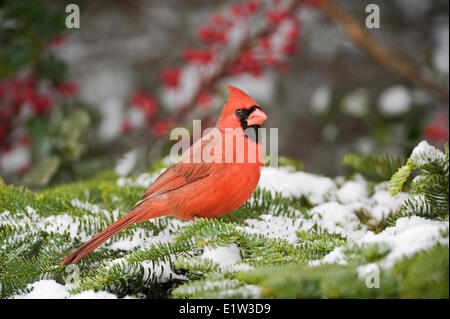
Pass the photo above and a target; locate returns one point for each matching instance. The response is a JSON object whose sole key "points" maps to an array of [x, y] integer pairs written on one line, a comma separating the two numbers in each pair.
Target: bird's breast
{"points": [[225, 190]]}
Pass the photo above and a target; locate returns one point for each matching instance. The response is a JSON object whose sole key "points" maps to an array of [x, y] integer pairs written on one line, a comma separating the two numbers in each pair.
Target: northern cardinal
{"points": [[203, 189]]}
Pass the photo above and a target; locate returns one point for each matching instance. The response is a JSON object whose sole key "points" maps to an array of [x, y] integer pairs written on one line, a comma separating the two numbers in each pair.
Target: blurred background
{"points": [[105, 95]]}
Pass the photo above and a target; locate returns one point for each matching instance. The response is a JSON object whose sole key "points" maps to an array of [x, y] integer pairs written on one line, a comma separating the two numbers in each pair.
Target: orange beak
{"points": [[256, 118]]}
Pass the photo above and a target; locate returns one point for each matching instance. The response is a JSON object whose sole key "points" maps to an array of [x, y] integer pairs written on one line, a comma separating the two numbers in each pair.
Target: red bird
{"points": [[205, 189]]}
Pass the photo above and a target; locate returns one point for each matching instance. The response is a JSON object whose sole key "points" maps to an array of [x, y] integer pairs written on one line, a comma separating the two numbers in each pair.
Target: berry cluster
{"points": [[147, 105], [24, 96], [245, 38], [437, 130]]}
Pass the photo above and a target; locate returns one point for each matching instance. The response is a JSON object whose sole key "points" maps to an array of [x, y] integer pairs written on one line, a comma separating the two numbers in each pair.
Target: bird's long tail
{"points": [[112, 230]]}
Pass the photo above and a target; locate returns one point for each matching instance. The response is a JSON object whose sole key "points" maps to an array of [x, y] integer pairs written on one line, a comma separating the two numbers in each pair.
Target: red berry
{"points": [[438, 129], [253, 6], [145, 102], [67, 89], [171, 77], [265, 43], [125, 126], [275, 17], [160, 128], [57, 40], [221, 37], [289, 48], [205, 33], [293, 33], [204, 100], [41, 104], [198, 56], [208, 35], [434, 133]]}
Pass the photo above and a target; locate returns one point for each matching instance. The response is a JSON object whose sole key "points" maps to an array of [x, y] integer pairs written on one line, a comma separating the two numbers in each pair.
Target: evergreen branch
{"points": [[399, 178], [373, 167]]}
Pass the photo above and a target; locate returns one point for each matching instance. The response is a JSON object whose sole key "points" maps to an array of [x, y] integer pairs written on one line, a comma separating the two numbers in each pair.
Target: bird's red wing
{"points": [[174, 177]]}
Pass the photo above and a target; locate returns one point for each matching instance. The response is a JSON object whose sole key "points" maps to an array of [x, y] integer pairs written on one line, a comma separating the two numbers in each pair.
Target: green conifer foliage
{"points": [[167, 258], [374, 167], [430, 189]]}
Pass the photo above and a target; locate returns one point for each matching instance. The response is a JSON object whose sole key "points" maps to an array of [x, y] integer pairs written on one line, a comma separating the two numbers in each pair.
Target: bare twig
{"points": [[381, 54]]}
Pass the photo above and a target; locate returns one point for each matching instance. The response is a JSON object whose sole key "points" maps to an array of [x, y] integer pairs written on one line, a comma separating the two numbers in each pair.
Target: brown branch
{"points": [[186, 109], [381, 54]]}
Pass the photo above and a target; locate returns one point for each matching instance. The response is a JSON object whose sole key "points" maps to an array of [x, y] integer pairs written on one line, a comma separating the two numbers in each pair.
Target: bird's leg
{"points": [[196, 217]]}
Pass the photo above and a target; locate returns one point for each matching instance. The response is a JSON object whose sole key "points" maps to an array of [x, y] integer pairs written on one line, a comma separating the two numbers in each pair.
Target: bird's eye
{"points": [[238, 113]]}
